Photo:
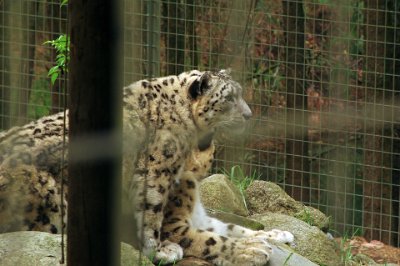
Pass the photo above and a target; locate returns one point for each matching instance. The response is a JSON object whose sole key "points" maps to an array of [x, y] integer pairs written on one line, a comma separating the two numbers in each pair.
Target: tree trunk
{"points": [[94, 136], [5, 118], [191, 32], [133, 41], [297, 163], [28, 56], [173, 25], [152, 38], [377, 149]]}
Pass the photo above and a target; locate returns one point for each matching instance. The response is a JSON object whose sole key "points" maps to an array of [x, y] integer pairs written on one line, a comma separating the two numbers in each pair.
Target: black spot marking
{"points": [[151, 158], [157, 208], [211, 242], [185, 242], [31, 226], [164, 235], [165, 82], [168, 214], [147, 206], [177, 202], [173, 220], [54, 209], [223, 248], [211, 258], [42, 218], [210, 229], [223, 238], [190, 184], [156, 234], [172, 80], [169, 149], [206, 252], [161, 189], [145, 84], [185, 231], [37, 131], [230, 226], [53, 229]]}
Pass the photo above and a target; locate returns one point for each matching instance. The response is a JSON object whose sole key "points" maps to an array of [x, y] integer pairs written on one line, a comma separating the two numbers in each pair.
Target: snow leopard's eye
{"points": [[229, 98]]}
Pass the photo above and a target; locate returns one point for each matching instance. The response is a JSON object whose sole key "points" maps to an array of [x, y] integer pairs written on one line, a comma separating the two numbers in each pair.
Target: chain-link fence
{"points": [[322, 78]]}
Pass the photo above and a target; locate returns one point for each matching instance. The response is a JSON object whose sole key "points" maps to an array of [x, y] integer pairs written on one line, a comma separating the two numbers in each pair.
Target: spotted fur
{"points": [[168, 124]]}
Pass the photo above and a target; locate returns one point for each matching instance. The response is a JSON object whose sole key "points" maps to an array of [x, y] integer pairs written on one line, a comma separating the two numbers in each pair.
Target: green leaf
{"points": [[54, 77]]}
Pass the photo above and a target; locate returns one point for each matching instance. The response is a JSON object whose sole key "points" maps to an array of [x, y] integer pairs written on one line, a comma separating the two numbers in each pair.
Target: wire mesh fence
{"points": [[322, 78]]}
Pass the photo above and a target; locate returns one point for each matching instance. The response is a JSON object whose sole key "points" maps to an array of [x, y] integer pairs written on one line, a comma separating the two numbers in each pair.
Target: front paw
{"points": [[251, 252], [168, 252], [276, 235]]}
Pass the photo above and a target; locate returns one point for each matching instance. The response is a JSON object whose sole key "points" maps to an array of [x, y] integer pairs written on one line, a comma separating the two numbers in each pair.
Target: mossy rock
{"points": [[314, 217], [217, 192], [310, 241], [29, 248], [266, 197]]}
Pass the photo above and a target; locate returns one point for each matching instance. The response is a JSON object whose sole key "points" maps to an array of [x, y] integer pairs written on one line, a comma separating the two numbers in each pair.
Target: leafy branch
{"points": [[61, 44]]}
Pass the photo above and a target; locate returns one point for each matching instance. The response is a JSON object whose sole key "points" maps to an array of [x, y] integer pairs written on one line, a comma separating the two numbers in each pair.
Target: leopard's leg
{"points": [[186, 223], [157, 170], [179, 227], [217, 249]]}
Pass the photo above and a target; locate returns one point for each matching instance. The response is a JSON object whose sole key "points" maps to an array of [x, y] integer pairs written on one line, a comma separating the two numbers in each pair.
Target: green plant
{"points": [[345, 248], [287, 259], [308, 217], [61, 44], [240, 179]]}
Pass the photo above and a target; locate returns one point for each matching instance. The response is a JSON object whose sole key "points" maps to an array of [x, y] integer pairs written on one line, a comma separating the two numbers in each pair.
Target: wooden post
{"points": [[95, 149]]}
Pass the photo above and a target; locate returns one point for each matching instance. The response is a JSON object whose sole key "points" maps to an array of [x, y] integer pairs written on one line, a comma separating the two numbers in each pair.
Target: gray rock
{"points": [[235, 219], [265, 197], [310, 241], [217, 192], [283, 256], [44, 249]]}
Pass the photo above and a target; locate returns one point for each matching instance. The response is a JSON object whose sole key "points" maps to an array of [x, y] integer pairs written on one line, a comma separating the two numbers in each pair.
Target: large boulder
{"points": [[265, 197], [38, 248], [310, 241], [217, 192], [44, 249]]}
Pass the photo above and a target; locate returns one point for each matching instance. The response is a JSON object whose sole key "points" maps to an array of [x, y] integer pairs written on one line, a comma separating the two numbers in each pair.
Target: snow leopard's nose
{"points": [[246, 112], [247, 115]]}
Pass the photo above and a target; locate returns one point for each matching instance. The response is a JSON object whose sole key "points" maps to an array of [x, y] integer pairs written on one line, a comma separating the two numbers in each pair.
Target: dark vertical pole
{"points": [[297, 165], [94, 151]]}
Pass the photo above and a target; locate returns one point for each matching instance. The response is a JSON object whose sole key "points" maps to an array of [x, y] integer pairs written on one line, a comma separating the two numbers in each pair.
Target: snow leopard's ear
{"points": [[200, 85]]}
